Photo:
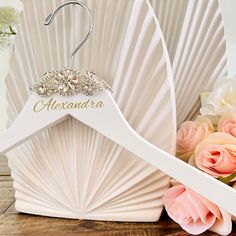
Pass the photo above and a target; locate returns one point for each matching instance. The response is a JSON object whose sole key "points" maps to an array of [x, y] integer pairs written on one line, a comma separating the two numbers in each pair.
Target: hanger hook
{"points": [[50, 18]]}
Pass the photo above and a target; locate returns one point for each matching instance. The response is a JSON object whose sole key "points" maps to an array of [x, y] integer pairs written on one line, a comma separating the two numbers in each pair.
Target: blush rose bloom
{"points": [[216, 155], [227, 124], [190, 134], [194, 213]]}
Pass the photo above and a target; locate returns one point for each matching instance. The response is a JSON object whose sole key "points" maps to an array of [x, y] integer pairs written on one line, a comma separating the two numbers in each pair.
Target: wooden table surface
{"points": [[15, 223]]}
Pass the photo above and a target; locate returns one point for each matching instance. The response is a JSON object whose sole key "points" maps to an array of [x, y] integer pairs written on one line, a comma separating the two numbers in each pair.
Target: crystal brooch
{"points": [[69, 82]]}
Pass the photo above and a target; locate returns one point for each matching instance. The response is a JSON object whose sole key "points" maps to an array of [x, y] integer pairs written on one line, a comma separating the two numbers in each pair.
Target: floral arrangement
{"points": [[9, 18], [209, 144]]}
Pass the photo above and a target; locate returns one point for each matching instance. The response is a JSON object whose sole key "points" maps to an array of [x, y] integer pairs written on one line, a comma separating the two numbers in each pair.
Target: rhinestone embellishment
{"points": [[69, 82]]}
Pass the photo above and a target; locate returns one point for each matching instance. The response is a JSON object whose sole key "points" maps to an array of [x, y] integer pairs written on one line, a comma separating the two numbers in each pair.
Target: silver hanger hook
{"points": [[50, 18]]}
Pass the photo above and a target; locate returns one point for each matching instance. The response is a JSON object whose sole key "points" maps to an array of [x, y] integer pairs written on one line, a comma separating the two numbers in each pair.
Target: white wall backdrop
{"points": [[228, 9]]}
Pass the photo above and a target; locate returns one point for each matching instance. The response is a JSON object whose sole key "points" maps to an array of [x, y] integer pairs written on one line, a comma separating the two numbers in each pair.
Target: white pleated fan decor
{"points": [[71, 170], [194, 34]]}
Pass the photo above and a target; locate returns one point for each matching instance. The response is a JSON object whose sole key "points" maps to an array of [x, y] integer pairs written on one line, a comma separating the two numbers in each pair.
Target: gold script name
{"points": [[53, 104]]}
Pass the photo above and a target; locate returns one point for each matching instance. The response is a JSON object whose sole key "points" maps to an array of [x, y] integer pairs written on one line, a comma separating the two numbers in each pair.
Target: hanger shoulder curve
{"points": [[28, 123], [111, 123], [103, 114]]}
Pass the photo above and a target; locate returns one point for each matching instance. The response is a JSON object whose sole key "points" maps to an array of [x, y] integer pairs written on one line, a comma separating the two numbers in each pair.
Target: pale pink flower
{"points": [[190, 134], [216, 155], [227, 124], [194, 213]]}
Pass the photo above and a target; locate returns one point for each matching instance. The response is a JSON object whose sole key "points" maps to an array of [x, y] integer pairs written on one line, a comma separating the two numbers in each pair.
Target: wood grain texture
{"points": [[15, 223]]}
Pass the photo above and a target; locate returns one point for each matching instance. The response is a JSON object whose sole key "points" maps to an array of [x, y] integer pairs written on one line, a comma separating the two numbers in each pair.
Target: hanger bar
{"points": [[28, 124], [109, 121]]}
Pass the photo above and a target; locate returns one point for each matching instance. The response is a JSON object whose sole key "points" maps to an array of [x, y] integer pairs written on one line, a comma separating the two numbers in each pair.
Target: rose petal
{"points": [[200, 207], [227, 123], [198, 227], [172, 194], [192, 161], [194, 213], [211, 206], [185, 208], [188, 206], [178, 212], [223, 226], [216, 155], [190, 134]]}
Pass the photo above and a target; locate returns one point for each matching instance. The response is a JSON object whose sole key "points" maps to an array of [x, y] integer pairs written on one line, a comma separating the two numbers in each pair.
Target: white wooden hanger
{"points": [[108, 120]]}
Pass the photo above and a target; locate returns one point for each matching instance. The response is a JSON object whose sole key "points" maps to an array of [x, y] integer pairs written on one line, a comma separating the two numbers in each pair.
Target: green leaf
{"points": [[227, 179]]}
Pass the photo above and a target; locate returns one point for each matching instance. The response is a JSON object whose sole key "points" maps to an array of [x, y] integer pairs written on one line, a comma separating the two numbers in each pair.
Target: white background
{"points": [[229, 15]]}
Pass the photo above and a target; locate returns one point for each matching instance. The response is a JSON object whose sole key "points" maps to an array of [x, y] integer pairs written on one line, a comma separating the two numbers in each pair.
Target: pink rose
{"points": [[194, 213], [227, 124], [190, 134], [216, 155]]}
